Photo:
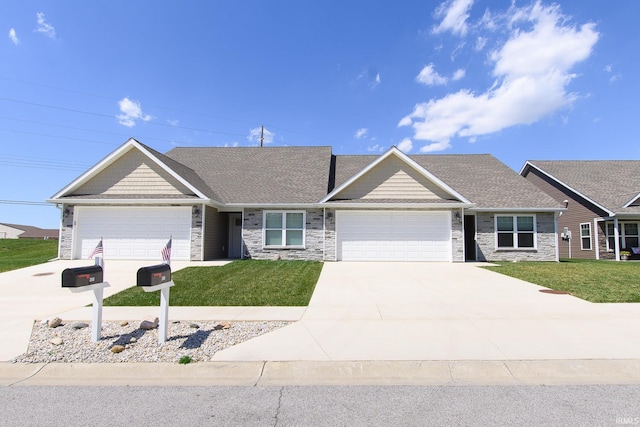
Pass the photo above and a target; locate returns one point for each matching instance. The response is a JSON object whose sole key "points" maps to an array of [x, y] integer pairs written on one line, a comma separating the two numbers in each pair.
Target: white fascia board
{"points": [[565, 186], [626, 205], [97, 168], [237, 206], [170, 171], [115, 155], [518, 209], [103, 202], [394, 151], [361, 206]]}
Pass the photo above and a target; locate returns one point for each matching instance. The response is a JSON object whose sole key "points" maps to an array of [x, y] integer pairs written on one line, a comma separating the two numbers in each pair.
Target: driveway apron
{"points": [[443, 311]]}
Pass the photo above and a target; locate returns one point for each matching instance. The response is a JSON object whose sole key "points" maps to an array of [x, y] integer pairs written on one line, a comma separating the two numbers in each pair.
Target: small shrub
{"points": [[184, 360]]}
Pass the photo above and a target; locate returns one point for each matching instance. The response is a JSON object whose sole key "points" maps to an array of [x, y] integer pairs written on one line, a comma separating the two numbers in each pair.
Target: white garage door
{"points": [[133, 233], [393, 236]]}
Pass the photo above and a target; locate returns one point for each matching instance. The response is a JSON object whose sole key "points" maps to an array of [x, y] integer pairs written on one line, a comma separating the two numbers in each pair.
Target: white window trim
{"points": [[621, 234], [284, 215], [515, 232], [590, 248]]}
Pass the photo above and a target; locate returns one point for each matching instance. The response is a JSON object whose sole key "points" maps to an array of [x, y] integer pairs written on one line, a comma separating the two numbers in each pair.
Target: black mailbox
{"points": [[154, 275], [81, 276]]}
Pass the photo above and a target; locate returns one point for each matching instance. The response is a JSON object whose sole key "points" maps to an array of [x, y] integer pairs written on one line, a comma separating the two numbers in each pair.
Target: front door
{"points": [[469, 238], [235, 236]]}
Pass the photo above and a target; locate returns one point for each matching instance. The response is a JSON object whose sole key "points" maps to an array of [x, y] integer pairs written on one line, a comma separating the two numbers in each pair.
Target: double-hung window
{"points": [[585, 236], [515, 231], [283, 229]]}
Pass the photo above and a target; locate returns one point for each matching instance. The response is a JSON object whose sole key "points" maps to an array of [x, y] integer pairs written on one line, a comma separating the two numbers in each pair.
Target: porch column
{"points": [[616, 233]]}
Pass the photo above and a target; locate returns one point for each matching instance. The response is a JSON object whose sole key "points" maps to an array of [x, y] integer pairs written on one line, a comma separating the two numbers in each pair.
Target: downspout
{"points": [[324, 233], [202, 234], [616, 234], [555, 226], [242, 235], [464, 239], [61, 207], [596, 240]]}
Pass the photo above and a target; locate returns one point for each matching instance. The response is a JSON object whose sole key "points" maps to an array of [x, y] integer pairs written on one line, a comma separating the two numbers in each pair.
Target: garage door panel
{"points": [[133, 233], [393, 235]]}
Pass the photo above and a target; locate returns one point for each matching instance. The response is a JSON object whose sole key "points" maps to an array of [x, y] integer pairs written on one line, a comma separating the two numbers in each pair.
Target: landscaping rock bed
{"points": [[68, 343]]}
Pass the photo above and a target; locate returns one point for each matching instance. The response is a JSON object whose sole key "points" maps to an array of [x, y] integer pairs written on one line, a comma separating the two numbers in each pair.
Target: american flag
{"points": [[166, 252], [97, 250]]}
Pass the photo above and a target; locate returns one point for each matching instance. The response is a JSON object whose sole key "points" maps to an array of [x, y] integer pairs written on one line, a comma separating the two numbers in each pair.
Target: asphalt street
{"points": [[585, 405]]}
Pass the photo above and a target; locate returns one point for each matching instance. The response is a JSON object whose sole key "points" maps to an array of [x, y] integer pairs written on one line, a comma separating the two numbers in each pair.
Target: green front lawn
{"points": [[19, 253], [240, 283], [595, 281]]}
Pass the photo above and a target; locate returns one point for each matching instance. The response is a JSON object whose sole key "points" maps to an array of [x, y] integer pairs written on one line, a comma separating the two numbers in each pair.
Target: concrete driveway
{"points": [[443, 311]]}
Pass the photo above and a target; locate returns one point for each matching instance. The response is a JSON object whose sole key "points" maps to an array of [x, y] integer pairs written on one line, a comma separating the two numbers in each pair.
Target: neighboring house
{"points": [[16, 231], [305, 203], [603, 204]]}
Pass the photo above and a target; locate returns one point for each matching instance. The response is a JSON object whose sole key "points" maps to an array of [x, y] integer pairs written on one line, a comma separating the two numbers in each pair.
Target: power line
{"points": [[72, 110], [24, 202]]}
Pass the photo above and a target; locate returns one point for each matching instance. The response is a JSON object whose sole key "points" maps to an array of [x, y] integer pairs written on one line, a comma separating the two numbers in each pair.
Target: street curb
{"points": [[322, 373]]}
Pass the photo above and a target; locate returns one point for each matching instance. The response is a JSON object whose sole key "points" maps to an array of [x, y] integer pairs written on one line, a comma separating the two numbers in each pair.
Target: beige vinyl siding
{"points": [[7, 232], [133, 173], [393, 179]]}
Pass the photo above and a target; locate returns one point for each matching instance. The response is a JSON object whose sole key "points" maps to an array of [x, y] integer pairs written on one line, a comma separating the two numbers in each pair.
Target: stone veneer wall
{"points": [[486, 240], [457, 238], [252, 237], [66, 233], [196, 233], [602, 241], [330, 253]]}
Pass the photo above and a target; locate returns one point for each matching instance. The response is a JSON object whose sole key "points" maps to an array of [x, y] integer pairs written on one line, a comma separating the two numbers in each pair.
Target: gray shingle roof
{"points": [[253, 175], [185, 172], [481, 178], [610, 183]]}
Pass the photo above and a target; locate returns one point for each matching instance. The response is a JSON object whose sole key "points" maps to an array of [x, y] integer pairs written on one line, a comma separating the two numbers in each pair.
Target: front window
{"points": [[284, 229], [630, 235], [585, 236], [515, 231], [628, 232]]}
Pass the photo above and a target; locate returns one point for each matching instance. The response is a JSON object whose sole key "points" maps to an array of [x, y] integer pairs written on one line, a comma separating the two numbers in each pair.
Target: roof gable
{"points": [[394, 176], [132, 169], [612, 185]]}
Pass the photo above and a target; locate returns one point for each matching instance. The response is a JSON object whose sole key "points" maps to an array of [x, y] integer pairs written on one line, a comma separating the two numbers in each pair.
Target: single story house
{"points": [[602, 198], [305, 203], [17, 231]]}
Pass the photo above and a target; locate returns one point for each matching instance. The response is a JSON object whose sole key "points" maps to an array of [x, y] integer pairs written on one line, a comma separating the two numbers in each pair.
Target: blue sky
{"points": [[519, 80]]}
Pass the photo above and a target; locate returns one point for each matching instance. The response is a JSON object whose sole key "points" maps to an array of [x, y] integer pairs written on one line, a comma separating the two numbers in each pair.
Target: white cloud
{"points": [[613, 78], [430, 77], [375, 148], [532, 70], [232, 144], [406, 145], [131, 111], [254, 135], [454, 14], [458, 74], [44, 27], [13, 36], [481, 42], [376, 81], [173, 122], [361, 133]]}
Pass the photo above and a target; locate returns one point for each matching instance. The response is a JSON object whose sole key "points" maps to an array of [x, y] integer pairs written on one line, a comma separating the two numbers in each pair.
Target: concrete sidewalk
{"points": [[426, 373]]}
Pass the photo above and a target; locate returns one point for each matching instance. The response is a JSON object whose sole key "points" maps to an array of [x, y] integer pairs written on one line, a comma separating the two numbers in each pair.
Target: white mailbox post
{"points": [[158, 278], [84, 279]]}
